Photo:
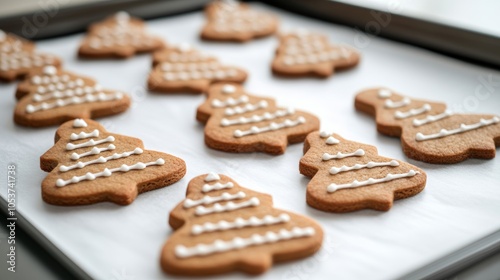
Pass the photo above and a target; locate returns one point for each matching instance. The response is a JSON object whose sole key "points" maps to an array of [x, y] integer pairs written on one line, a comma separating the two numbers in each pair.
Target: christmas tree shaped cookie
{"points": [[53, 96], [304, 53], [222, 227], [238, 122], [18, 57], [349, 176], [118, 36], [429, 132], [184, 69], [87, 165], [229, 20]]}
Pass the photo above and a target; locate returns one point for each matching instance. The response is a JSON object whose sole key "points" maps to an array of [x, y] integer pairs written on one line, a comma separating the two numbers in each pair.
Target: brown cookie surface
{"points": [[185, 69], [87, 165], [53, 96], [119, 36], [229, 20], [18, 57], [303, 53], [222, 227], [429, 132], [239, 122], [349, 176]]}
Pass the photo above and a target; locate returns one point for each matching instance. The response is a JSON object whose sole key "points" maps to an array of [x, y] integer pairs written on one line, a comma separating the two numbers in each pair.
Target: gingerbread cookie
{"points": [[222, 227], [184, 69], [429, 132], [53, 96], [18, 57], [87, 165], [238, 122], [349, 176], [304, 53], [229, 20], [119, 36]]}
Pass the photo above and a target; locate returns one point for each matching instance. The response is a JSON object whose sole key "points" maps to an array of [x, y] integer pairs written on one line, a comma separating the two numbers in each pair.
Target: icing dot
{"points": [[49, 70], [324, 134], [228, 89]]}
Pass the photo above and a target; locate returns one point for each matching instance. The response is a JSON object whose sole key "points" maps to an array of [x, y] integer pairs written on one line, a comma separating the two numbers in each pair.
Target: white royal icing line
{"points": [[83, 135], [225, 196], [50, 70], [80, 164], [397, 104], [412, 112], [330, 139], [339, 155], [89, 98], [219, 246], [91, 142], [229, 102], [258, 118], [228, 89], [230, 206], [271, 127], [108, 172], [79, 123], [216, 187], [247, 108], [93, 151], [355, 184], [371, 164], [239, 223], [463, 128], [384, 93], [212, 176], [432, 118]]}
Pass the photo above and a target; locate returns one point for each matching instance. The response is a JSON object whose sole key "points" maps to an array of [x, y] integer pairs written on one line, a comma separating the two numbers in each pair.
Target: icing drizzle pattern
{"points": [[354, 184], [219, 246], [239, 223], [463, 128]]}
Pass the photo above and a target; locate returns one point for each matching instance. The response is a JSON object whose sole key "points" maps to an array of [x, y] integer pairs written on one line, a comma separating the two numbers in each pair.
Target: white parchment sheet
{"points": [[460, 204]]}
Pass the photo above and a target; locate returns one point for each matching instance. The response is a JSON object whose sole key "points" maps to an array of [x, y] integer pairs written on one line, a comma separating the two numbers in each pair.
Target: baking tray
{"points": [[454, 220]]}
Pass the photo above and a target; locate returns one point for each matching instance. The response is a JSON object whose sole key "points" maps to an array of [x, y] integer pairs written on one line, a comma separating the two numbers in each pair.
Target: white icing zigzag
{"points": [[108, 172], [225, 196], [339, 155], [258, 118], [216, 103], [230, 206], [432, 118], [216, 187], [239, 223], [371, 164], [397, 104], [354, 184], [91, 142], [219, 246], [463, 128], [80, 164], [247, 108], [89, 98], [272, 126], [83, 135], [412, 112], [93, 151]]}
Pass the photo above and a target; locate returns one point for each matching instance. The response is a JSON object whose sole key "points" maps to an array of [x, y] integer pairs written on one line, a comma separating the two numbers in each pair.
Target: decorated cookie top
{"points": [[429, 131], [349, 176], [233, 21], [183, 68], [18, 57], [230, 224], [303, 52], [51, 96], [88, 164], [240, 122], [118, 36]]}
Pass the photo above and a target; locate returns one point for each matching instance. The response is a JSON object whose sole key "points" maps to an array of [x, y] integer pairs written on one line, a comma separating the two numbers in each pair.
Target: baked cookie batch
{"points": [[221, 226]]}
